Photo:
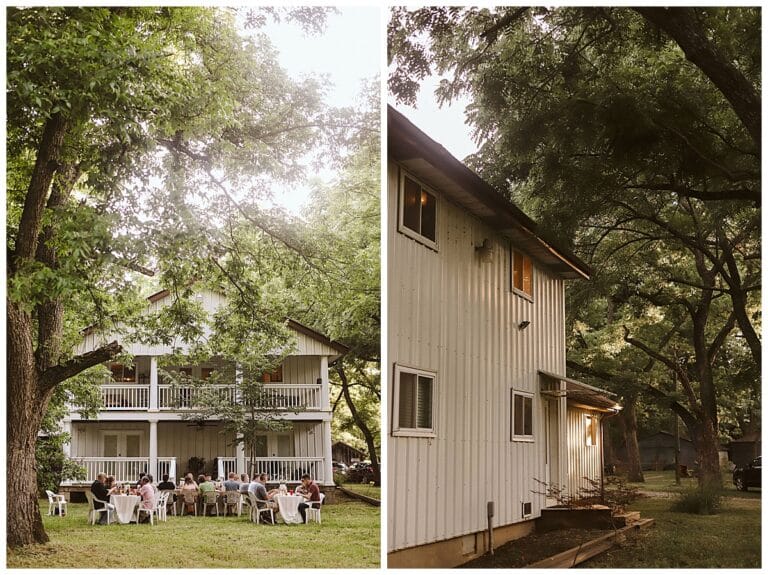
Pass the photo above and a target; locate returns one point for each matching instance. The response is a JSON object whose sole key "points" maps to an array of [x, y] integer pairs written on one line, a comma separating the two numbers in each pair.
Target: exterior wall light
{"points": [[523, 324]]}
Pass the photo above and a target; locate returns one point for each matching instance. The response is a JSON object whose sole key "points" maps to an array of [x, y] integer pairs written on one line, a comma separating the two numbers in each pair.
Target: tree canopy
{"points": [[633, 136]]}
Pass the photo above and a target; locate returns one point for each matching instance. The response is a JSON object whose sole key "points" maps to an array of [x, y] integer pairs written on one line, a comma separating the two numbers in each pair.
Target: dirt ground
{"points": [[534, 547]]}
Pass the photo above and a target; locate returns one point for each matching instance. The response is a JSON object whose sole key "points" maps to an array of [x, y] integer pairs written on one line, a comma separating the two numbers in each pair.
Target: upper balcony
{"points": [[275, 396]]}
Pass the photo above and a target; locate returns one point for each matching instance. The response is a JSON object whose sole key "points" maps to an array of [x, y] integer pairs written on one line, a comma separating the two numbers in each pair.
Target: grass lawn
{"points": [[730, 539], [664, 481], [348, 537], [364, 489]]}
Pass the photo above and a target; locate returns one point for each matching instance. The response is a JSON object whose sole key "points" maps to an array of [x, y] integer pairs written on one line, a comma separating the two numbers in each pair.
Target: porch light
{"points": [[523, 324]]}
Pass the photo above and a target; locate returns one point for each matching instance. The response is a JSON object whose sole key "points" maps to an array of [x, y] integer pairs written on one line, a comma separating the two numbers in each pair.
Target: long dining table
{"points": [[289, 507]]}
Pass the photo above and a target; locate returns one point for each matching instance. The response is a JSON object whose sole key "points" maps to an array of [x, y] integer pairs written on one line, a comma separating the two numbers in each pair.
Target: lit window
{"points": [[591, 431], [413, 412], [418, 211], [522, 416], [123, 373], [522, 273]]}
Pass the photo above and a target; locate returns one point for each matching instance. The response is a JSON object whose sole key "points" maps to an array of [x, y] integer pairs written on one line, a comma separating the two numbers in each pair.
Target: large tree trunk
{"points": [[26, 407], [369, 440], [628, 418]]}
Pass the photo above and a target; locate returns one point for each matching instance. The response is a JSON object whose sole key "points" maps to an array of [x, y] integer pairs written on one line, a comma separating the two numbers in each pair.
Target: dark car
{"points": [[360, 472], [749, 475], [339, 467]]}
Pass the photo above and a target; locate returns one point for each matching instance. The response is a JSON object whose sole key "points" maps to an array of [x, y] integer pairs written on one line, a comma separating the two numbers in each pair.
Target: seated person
{"points": [[260, 491], [152, 483], [166, 485], [110, 485], [244, 482], [190, 489], [147, 493], [312, 498], [138, 482], [99, 491], [264, 479], [204, 484]]}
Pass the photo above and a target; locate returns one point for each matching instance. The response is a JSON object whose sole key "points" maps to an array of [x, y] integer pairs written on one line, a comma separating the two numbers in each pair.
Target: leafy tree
{"points": [[132, 134], [646, 163]]}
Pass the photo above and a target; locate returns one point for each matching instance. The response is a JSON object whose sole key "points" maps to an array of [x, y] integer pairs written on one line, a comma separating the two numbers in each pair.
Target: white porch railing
{"points": [[126, 469], [124, 396], [286, 469], [275, 396], [226, 465]]}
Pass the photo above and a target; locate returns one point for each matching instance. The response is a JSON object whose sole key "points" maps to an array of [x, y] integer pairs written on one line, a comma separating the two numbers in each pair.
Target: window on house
{"points": [[418, 211], [591, 430], [123, 373], [522, 416], [206, 372], [272, 376], [522, 273], [413, 412]]}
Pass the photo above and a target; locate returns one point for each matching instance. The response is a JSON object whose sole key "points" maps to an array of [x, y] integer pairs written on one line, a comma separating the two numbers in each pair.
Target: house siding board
{"points": [[583, 459], [456, 316]]}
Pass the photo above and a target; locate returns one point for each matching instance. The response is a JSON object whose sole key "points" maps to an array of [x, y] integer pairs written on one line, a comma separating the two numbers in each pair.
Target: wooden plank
{"points": [[576, 555]]}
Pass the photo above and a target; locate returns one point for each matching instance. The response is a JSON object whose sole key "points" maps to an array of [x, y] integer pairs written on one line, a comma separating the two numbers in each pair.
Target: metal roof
{"points": [[432, 163], [581, 393]]}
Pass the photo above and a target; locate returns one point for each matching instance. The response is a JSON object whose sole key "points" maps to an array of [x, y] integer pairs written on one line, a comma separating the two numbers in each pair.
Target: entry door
{"points": [[121, 444]]}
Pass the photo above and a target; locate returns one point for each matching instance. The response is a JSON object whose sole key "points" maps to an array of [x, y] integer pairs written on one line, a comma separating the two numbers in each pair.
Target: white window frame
{"points": [[398, 431], [401, 227], [513, 436], [592, 423], [513, 289]]}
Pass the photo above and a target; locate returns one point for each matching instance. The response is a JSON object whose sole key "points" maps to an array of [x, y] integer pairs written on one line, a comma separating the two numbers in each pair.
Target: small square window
{"points": [[413, 410], [418, 211], [521, 422], [522, 273]]}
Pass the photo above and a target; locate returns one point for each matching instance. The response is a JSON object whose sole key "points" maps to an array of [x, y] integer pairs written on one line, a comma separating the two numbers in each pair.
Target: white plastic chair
{"points": [[210, 498], [162, 506], [152, 512], [256, 511], [314, 512], [244, 500], [188, 498], [93, 512], [170, 499], [232, 499], [56, 501]]}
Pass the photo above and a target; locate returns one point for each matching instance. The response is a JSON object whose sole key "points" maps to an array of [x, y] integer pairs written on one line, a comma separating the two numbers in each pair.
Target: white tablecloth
{"points": [[289, 507], [125, 505]]}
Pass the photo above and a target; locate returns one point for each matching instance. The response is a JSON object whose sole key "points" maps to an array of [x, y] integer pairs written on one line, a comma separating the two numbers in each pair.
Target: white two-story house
{"points": [[481, 415], [141, 427]]}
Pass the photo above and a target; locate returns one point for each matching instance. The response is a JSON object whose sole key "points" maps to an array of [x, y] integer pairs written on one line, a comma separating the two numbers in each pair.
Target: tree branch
{"points": [[58, 373]]}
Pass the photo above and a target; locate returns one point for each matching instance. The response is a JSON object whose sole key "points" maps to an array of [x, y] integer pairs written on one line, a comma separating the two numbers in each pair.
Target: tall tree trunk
{"points": [[360, 422], [628, 418], [26, 406]]}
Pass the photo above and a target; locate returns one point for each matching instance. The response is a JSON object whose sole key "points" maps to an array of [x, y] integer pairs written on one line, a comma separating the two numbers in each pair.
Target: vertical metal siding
{"points": [[452, 314], [583, 459]]}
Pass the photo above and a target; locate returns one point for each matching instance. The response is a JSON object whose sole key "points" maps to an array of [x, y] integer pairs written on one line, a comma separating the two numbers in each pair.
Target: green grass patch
{"points": [[730, 539], [364, 489], [664, 482], [348, 537]]}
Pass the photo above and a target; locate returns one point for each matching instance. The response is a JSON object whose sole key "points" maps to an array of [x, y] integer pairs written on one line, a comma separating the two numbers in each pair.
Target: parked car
{"points": [[339, 467], [360, 472], [749, 475]]}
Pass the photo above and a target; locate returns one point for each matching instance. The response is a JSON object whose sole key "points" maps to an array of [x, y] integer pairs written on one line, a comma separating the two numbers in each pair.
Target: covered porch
{"points": [[126, 448]]}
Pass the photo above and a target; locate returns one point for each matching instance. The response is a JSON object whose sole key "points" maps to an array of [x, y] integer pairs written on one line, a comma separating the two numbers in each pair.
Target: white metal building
{"points": [[141, 426], [480, 410]]}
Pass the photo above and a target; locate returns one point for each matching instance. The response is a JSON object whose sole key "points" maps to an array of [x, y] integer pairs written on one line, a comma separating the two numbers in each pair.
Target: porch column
{"points": [[153, 389], [153, 449], [327, 456], [325, 398], [66, 427], [240, 454]]}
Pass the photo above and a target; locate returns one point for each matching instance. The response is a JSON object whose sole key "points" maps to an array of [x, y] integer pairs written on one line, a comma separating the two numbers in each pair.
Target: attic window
{"points": [[522, 274], [418, 211]]}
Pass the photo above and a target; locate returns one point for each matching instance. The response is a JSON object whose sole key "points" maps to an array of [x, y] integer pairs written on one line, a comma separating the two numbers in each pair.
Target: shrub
{"points": [[338, 478], [52, 466], [699, 500]]}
